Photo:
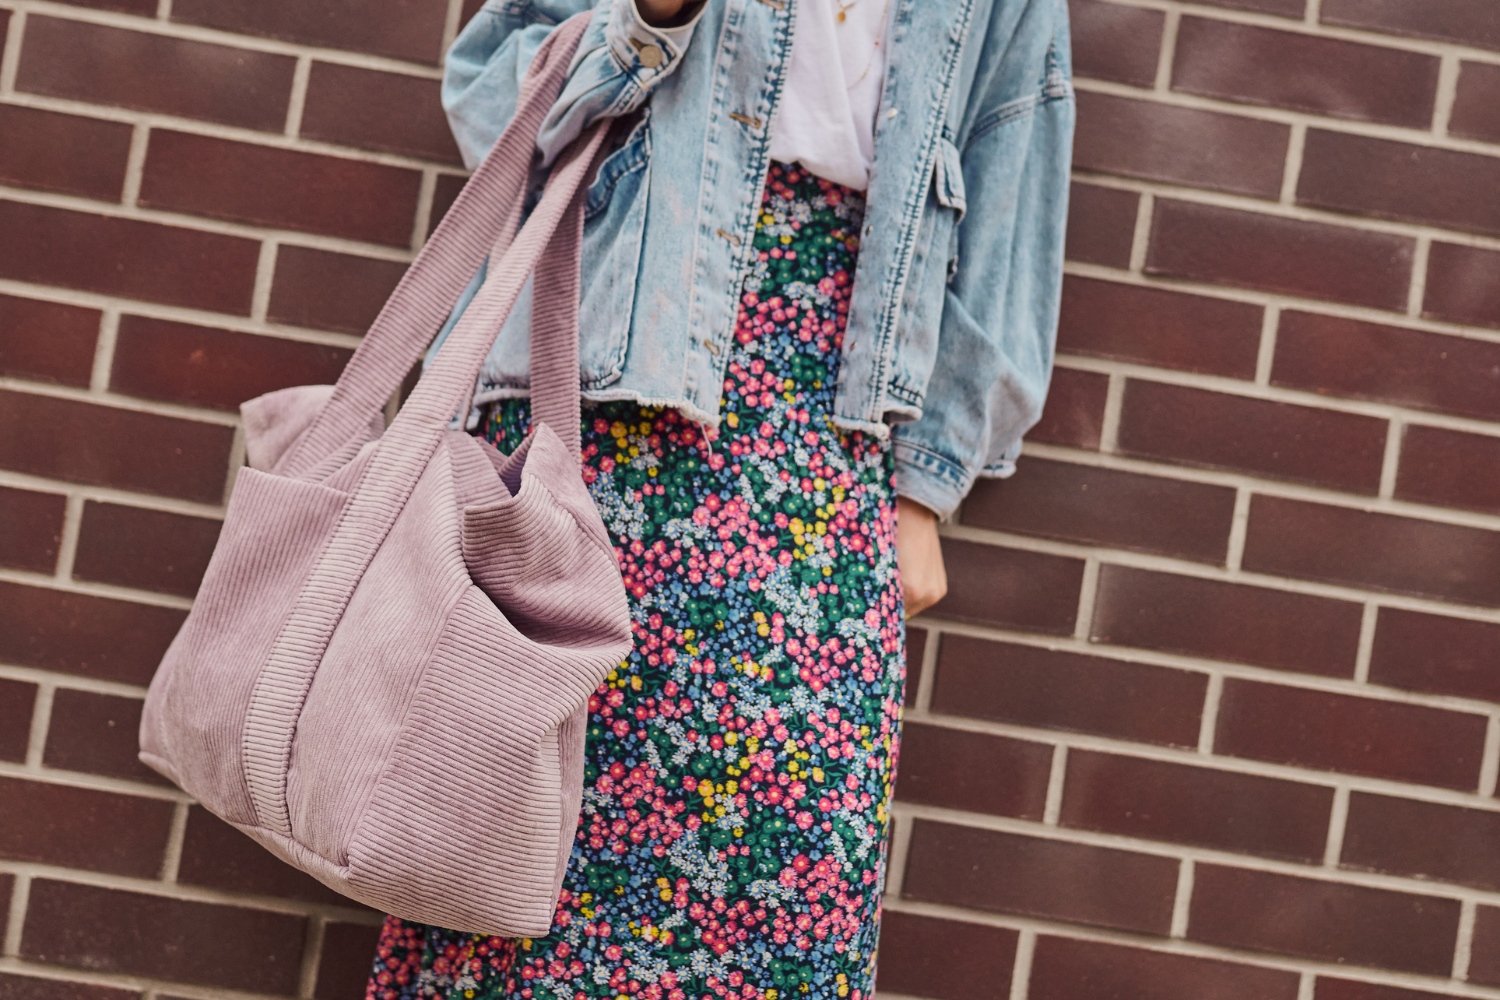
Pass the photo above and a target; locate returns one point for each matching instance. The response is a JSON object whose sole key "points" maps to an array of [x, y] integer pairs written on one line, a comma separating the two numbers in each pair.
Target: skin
{"points": [[924, 580]]}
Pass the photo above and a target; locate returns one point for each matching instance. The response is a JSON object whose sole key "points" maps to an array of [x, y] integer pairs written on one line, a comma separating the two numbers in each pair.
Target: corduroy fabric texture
{"points": [[404, 623]]}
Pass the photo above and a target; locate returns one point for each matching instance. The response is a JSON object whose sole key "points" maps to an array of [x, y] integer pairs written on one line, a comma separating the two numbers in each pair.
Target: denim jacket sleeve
{"points": [[997, 330], [620, 59]]}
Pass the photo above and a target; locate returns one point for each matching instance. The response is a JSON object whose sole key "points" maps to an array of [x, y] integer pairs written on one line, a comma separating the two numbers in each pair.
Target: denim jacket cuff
{"points": [[647, 51], [932, 480]]}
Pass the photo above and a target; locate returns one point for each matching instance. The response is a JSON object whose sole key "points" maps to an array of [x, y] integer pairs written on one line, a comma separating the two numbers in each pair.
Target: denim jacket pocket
{"points": [[948, 182]]}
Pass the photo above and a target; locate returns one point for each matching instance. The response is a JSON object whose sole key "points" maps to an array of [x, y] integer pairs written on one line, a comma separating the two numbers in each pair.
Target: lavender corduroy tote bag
{"points": [[385, 675]]}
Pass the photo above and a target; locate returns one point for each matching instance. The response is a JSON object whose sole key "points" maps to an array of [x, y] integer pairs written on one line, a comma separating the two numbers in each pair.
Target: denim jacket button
{"points": [[651, 55]]}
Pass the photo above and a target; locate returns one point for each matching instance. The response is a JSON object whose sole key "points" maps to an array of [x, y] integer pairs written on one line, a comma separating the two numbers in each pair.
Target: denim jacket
{"points": [[952, 321]]}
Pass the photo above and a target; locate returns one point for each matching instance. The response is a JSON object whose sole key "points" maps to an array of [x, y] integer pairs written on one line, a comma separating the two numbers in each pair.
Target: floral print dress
{"points": [[740, 762]]}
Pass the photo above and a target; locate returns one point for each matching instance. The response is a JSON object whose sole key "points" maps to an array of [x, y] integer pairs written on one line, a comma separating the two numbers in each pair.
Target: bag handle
{"points": [[482, 221]]}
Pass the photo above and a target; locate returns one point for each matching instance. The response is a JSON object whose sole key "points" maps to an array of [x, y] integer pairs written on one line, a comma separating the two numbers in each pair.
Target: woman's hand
{"points": [[924, 581], [661, 13]]}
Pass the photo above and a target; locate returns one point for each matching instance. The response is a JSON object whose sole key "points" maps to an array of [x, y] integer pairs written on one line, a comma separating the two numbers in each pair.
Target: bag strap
{"points": [[482, 220]]}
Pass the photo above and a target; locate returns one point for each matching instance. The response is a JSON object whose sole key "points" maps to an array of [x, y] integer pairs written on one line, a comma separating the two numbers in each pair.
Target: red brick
{"points": [[1065, 969], [1410, 182], [1051, 689], [1350, 924], [1052, 879], [97, 734], [82, 634], [83, 827], [128, 258], [943, 959], [1380, 551], [144, 8], [1461, 285], [1284, 8], [106, 446], [346, 959], [1423, 839], [1175, 145], [916, 646], [147, 549], [48, 160], [15, 987], [402, 29], [1114, 42], [1159, 326], [1226, 621], [1428, 371], [1291, 69], [1012, 588], [1089, 505], [150, 72], [1337, 732], [1294, 256], [47, 341], [1476, 113], [1449, 468], [199, 366], [444, 193], [330, 291], [1349, 989], [373, 109], [30, 529], [1205, 807], [1437, 654], [17, 701], [1101, 223], [1011, 782], [1484, 958], [281, 188], [1302, 444], [216, 855], [1074, 414], [139, 934], [1466, 22]]}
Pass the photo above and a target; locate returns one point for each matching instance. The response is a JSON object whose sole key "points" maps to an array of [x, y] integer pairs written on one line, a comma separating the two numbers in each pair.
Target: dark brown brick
{"points": [[1337, 732], [1012, 781], [1101, 223], [1424, 839], [1079, 503], [1467, 22], [1284, 8], [943, 959], [1159, 326], [1461, 285], [1484, 958], [1065, 969], [1381, 551], [216, 855], [17, 701], [1051, 689], [282, 188], [1349, 989], [1288, 69], [1410, 182], [1351, 924], [30, 529], [108, 446], [1294, 256], [137, 934], [128, 258], [1175, 145], [47, 341], [1051, 879], [916, 645], [1216, 430], [146, 549], [1114, 42], [151, 72], [373, 109], [97, 734], [1436, 654], [48, 160], [1074, 414], [7, 887], [346, 959], [16, 987], [1226, 621], [183, 363], [330, 291], [444, 193], [1449, 468], [402, 29], [1476, 113], [1429, 371], [144, 8], [1012, 588], [81, 634], [83, 827], [1205, 807]]}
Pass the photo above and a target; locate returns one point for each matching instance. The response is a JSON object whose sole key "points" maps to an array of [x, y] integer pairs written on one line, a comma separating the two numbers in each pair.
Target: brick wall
{"points": [[1213, 708]]}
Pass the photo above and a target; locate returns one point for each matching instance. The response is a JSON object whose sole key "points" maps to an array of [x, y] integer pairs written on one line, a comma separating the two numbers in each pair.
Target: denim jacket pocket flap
{"points": [[949, 177]]}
